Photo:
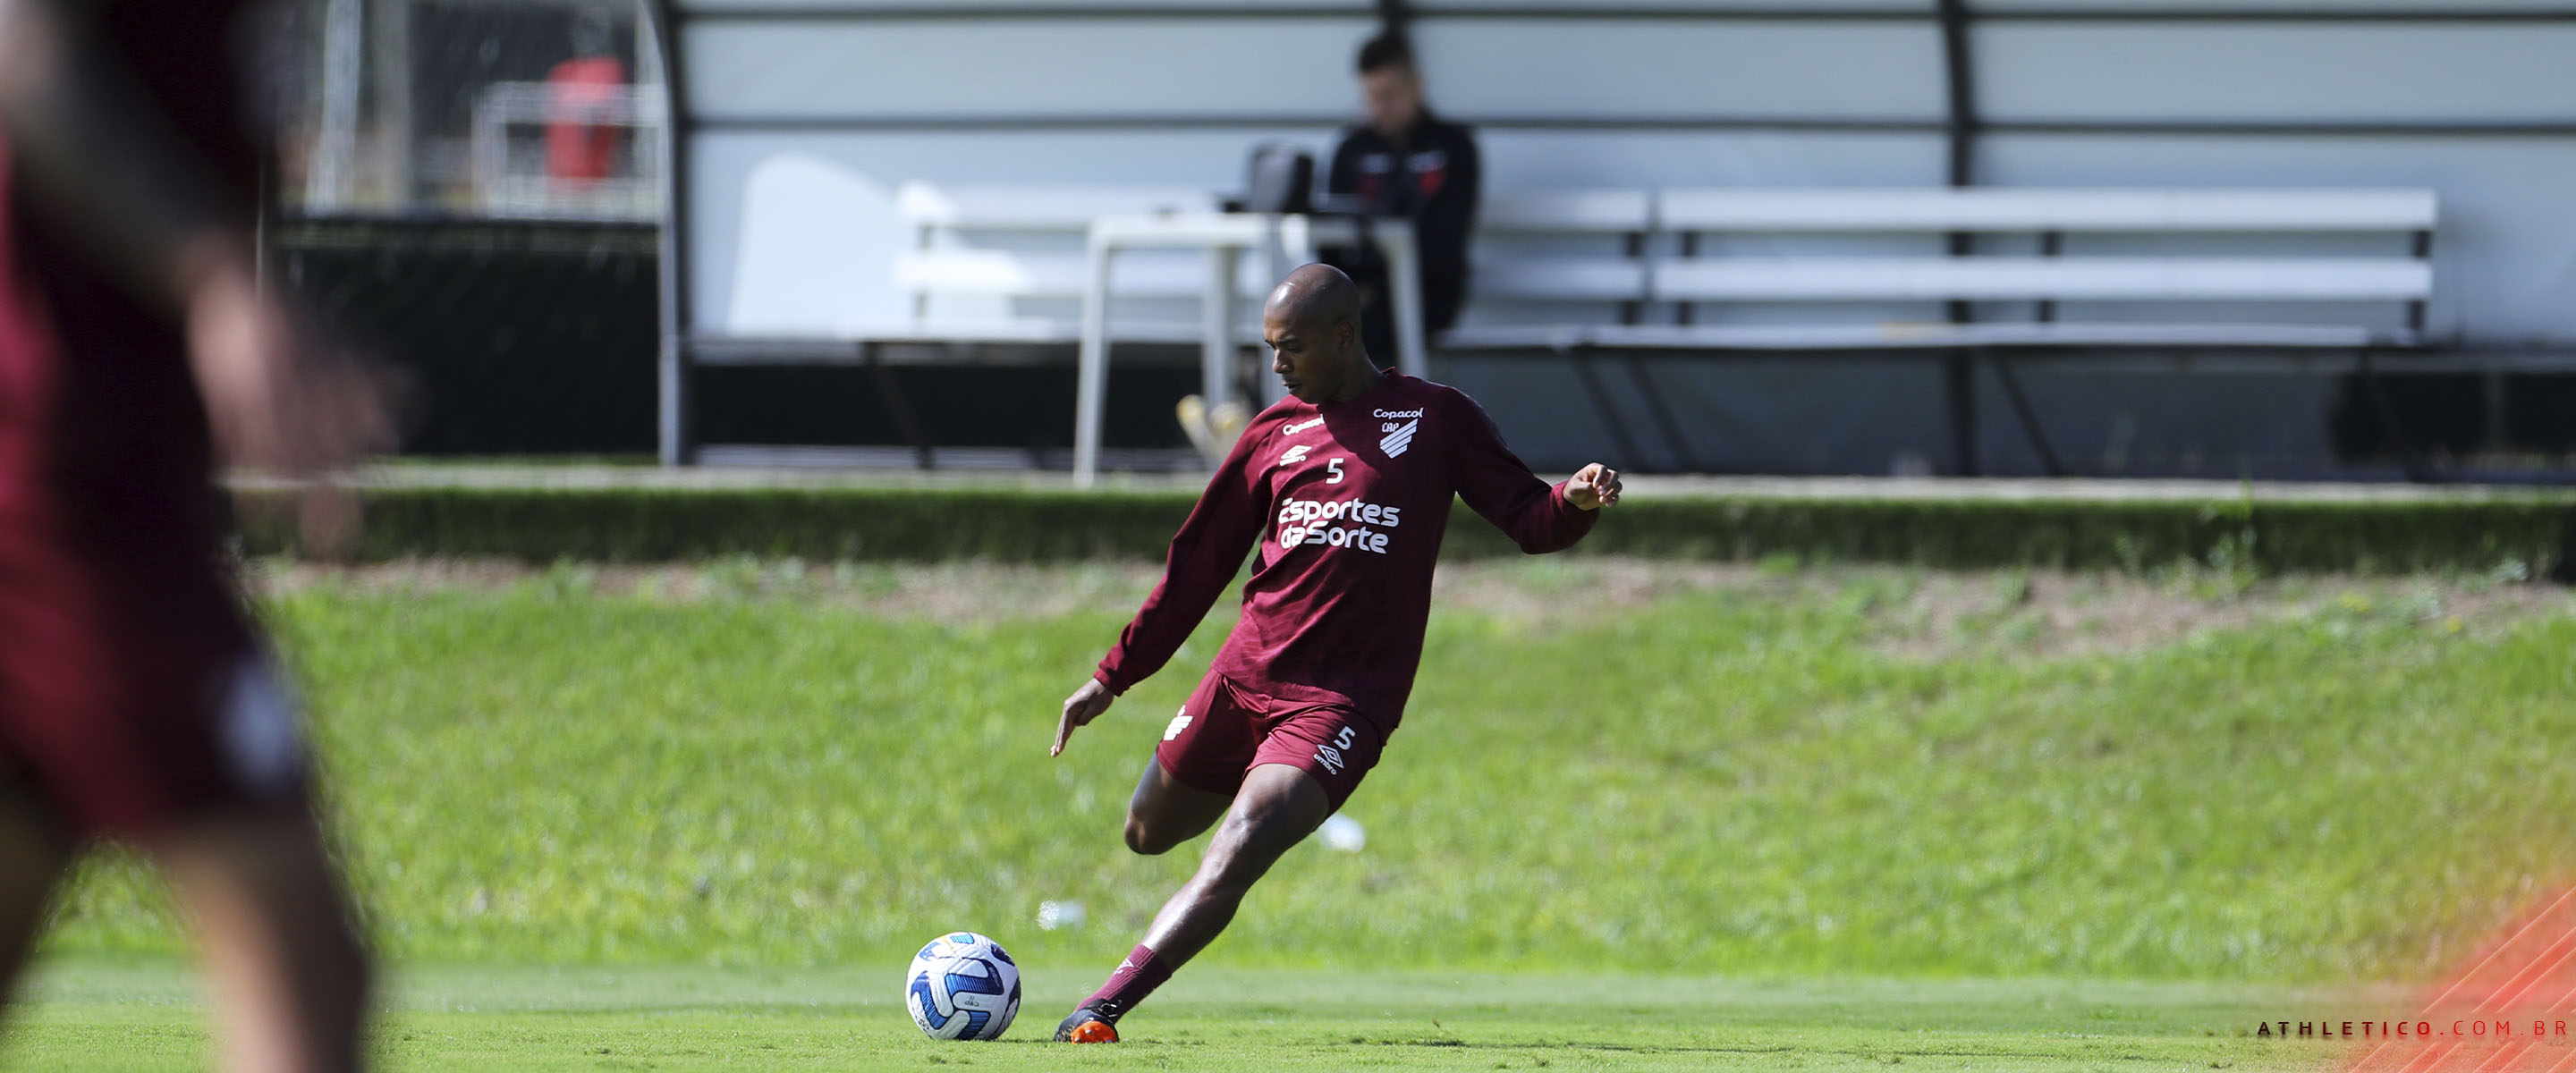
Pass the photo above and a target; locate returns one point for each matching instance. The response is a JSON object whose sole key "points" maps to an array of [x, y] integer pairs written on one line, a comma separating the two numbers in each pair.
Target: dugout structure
{"points": [[794, 121]]}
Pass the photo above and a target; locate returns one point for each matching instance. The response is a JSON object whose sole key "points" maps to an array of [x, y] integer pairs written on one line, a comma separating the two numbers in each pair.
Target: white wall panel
{"points": [[1578, 159], [2243, 70], [1021, 68], [795, 233], [1654, 67]]}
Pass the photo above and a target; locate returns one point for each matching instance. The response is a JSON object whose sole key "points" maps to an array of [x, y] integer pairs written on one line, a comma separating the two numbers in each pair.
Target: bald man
{"points": [[1345, 488]]}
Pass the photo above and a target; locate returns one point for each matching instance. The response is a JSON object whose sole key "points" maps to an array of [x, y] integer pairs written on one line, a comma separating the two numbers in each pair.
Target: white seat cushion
{"points": [[2002, 278]]}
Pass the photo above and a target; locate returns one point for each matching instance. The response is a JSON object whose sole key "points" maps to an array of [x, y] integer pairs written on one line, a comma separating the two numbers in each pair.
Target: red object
{"points": [[1429, 179], [579, 93], [131, 690], [1224, 732], [1348, 502]]}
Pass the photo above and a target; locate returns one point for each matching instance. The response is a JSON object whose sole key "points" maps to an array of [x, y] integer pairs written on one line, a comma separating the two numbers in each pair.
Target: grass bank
{"points": [[1758, 773]]}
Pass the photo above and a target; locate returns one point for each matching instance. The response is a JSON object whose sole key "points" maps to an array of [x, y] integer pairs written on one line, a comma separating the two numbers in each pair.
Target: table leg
{"points": [[1404, 280], [1092, 374], [1217, 312]]}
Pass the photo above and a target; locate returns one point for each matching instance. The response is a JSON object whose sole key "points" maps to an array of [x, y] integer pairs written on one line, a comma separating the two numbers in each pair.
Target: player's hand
{"points": [[1080, 709], [279, 396], [280, 399], [1593, 487]]}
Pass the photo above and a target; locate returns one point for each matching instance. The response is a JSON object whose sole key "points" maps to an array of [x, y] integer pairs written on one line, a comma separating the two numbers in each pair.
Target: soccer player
{"points": [[1346, 486], [137, 701]]}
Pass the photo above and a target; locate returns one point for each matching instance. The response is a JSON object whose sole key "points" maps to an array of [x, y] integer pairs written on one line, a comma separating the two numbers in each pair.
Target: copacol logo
{"points": [[1399, 436], [1307, 521]]}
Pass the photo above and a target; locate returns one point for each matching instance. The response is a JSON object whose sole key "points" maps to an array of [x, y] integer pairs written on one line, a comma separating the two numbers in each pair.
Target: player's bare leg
{"points": [[1167, 812], [282, 952], [1277, 808], [32, 860]]}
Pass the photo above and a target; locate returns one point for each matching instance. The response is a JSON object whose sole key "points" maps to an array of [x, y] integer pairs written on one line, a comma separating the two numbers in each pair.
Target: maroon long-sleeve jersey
{"points": [[1348, 501]]}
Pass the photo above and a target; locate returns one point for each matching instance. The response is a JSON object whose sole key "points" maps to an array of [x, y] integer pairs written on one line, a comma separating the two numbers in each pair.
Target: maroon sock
{"points": [[1136, 978]]}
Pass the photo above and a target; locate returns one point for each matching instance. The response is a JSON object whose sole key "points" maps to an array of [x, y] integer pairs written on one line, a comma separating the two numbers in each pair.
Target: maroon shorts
{"points": [[124, 712], [1225, 732]]}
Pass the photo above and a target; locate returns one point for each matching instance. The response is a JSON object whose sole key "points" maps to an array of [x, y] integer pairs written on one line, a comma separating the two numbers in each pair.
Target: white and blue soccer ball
{"points": [[962, 986]]}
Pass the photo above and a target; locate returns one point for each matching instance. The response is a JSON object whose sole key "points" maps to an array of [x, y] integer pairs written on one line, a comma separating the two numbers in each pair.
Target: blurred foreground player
{"points": [[1346, 487], [136, 699]]}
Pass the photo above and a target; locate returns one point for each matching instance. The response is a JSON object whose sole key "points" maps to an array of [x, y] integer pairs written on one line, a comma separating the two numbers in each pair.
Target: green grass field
{"points": [[1845, 817], [108, 1015]]}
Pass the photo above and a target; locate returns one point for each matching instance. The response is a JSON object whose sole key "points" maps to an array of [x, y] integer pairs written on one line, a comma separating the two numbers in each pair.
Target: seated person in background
{"points": [[1406, 162]]}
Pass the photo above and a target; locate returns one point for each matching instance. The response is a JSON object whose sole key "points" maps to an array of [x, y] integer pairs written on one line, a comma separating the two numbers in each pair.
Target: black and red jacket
{"points": [[1433, 180]]}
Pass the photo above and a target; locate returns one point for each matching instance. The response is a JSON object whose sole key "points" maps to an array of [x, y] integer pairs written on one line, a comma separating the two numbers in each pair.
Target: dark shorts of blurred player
{"points": [[122, 717], [1224, 731]]}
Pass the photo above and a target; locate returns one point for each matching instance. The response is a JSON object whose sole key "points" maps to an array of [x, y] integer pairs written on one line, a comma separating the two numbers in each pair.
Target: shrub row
{"points": [[643, 525]]}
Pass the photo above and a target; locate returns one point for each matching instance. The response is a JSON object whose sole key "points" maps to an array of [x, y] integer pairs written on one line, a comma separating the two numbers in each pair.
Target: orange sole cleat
{"points": [[1084, 1026]]}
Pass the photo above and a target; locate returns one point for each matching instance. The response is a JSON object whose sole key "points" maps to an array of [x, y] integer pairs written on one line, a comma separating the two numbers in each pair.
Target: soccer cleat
{"points": [[1085, 1026]]}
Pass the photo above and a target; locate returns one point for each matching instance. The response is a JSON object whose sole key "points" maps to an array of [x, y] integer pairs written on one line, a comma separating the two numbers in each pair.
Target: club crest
{"points": [[1398, 437]]}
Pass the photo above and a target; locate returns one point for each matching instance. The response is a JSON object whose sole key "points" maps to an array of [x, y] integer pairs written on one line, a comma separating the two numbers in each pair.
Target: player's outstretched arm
{"points": [[1206, 554], [1496, 484]]}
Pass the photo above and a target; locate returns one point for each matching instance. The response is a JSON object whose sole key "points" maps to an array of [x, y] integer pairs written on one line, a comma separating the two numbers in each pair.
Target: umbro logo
{"points": [[1301, 426], [1398, 438], [1294, 454]]}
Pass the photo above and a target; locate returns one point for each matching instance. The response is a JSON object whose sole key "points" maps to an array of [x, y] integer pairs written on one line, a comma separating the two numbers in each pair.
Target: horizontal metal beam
{"points": [[2471, 15], [1363, 10], [2329, 128], [2418, 362], [788, 456], [2299, 128], [1930, 14], [1052, 12]]}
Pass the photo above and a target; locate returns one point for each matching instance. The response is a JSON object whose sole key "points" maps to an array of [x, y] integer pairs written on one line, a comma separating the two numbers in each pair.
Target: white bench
{"points": [[1053, 219], [1633, 280], [938, 268], [1503, 273], [1029, 248], [2403, 275], [1639, 253], [1686, 283]]}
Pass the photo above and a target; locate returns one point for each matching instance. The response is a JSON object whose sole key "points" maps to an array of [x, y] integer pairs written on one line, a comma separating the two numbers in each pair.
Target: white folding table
{"points": [[1288, 240]]}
